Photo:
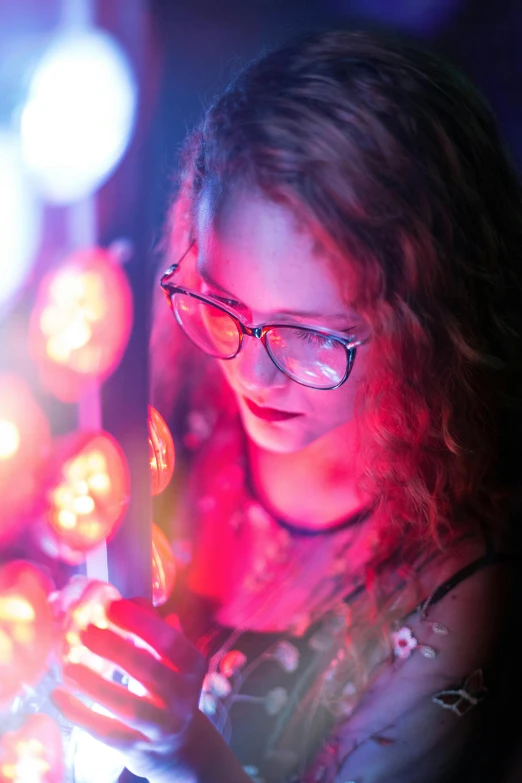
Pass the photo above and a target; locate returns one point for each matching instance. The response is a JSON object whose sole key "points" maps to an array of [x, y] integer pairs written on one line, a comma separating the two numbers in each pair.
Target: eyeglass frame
{"points": [[259, 331]]}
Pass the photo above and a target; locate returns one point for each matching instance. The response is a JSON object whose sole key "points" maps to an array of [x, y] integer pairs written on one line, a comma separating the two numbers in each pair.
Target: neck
{"points": [[313, 488]]}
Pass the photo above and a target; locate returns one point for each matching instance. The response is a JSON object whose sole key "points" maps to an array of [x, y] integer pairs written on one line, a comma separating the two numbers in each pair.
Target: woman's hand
{"points": [[150, 730]]}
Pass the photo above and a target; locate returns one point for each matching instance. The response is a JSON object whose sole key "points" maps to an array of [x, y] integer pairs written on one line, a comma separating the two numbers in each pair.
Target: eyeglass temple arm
{"points": [[174, 267]]}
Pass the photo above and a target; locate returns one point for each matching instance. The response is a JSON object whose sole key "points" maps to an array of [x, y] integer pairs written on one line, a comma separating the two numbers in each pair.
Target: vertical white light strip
{"points": [[82, 231], [77, 13]]}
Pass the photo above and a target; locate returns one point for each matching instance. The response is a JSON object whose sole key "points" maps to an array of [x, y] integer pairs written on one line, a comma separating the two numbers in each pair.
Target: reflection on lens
{"points": [[307, 356], [211, 329]]}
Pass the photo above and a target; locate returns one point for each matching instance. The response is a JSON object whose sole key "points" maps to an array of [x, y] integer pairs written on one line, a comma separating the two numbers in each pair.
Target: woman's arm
{"points": [[204, 758]]}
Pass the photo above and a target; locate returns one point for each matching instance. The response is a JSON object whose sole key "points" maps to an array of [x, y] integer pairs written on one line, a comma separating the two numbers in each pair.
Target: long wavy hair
{"points": [[394, 161]]}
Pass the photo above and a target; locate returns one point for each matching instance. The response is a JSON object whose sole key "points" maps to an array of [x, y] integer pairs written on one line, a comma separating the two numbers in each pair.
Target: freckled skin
{"points": [[256, 251]]}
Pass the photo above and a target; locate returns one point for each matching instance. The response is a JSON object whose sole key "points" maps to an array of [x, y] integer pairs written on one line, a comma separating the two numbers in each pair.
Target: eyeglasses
{"points": [[317, 358]]}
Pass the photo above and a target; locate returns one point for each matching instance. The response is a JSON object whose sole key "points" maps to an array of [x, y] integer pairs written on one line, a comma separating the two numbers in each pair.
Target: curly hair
{"points": [[394, 160]]}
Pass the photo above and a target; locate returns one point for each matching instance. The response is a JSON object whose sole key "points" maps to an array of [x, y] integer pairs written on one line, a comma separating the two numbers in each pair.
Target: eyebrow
{"points": [[298, 314]]}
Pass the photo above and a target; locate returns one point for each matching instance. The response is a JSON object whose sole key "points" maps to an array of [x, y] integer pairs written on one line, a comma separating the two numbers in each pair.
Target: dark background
{"points": [[202, 43]]}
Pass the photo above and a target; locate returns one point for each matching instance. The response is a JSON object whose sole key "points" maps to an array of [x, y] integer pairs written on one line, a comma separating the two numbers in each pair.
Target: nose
{"points": [[254, 369]]}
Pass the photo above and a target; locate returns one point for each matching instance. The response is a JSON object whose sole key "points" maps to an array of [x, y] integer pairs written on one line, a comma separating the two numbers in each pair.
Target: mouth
{"points": [[269, 414]]}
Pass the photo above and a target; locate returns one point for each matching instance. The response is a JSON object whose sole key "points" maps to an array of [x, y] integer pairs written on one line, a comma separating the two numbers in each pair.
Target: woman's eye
{"points": [[312, 337], [230, 302], [223, 299]]}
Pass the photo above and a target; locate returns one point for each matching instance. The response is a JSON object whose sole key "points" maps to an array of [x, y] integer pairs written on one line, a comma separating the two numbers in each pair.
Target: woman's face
{"points": [[254, 253]]}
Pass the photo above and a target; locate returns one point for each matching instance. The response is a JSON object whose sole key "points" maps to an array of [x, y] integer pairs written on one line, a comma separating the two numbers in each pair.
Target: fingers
{"points": [[168, 641], [137, 662], [145, 715], [145, 603], [108, 730], [173, 620]]}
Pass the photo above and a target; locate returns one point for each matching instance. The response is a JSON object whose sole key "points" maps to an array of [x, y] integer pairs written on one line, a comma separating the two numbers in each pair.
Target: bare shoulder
{"points": [[471, 593]]}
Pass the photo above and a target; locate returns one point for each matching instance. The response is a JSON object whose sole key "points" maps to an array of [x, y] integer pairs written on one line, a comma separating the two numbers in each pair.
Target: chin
{"points": [[280, 438]]}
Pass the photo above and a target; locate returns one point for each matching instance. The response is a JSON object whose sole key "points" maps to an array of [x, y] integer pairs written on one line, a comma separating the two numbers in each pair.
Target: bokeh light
{"points": [[33, 753], [80, 603], [81, 322], [79, 115], [26, 627], [87, 497], [163, 567], [92, 760], [161, 452], [19, 220], [25, 444]]}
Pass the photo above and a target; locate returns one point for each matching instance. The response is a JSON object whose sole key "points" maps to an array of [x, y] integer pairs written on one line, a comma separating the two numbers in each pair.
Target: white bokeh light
{"points": [[19, 219], [79, 115], [91, 761]]}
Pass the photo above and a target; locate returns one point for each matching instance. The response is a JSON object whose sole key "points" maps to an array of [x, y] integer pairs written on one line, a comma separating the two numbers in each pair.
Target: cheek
{"points": [[227, 368], [338, 406]]}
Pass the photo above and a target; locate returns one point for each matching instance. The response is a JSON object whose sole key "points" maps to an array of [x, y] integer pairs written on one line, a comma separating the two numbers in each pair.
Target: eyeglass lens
{"points": [[304, 355]]}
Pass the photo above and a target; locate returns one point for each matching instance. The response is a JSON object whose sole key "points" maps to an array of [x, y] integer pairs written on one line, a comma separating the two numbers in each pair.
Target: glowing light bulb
{"points": [[163, 567], [85, 602], [92, 759], [33, 753], [79, 115], [81, 322], [162, 456], [26, 627], [25, 443], [9, 439], [87, 496]]}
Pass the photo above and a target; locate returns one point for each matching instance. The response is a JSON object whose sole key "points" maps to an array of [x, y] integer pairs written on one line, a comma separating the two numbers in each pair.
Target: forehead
{"points": [[259, 252]]}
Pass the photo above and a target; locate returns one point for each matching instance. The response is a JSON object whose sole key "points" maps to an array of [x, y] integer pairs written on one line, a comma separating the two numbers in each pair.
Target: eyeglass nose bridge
{"points": [[252, 331], [259, 332]]}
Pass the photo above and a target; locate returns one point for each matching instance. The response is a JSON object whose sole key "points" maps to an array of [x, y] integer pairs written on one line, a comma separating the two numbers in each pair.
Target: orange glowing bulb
{"points": [[33, 753], [163, 567], [25, 443], [81, 322], [87, 495], [161, 452], [26, 632], [80, 603], [83, 602]]}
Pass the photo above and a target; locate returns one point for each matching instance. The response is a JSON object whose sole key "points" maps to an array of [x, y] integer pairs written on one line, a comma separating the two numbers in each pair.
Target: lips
{"points": [[269, 414]]}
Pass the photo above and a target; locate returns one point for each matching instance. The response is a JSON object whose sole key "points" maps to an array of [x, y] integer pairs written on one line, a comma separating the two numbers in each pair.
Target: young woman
{"points": [[345, 252]]}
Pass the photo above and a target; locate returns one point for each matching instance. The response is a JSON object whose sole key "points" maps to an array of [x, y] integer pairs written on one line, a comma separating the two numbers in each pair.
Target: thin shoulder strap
{"points": [[490, 558]]}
